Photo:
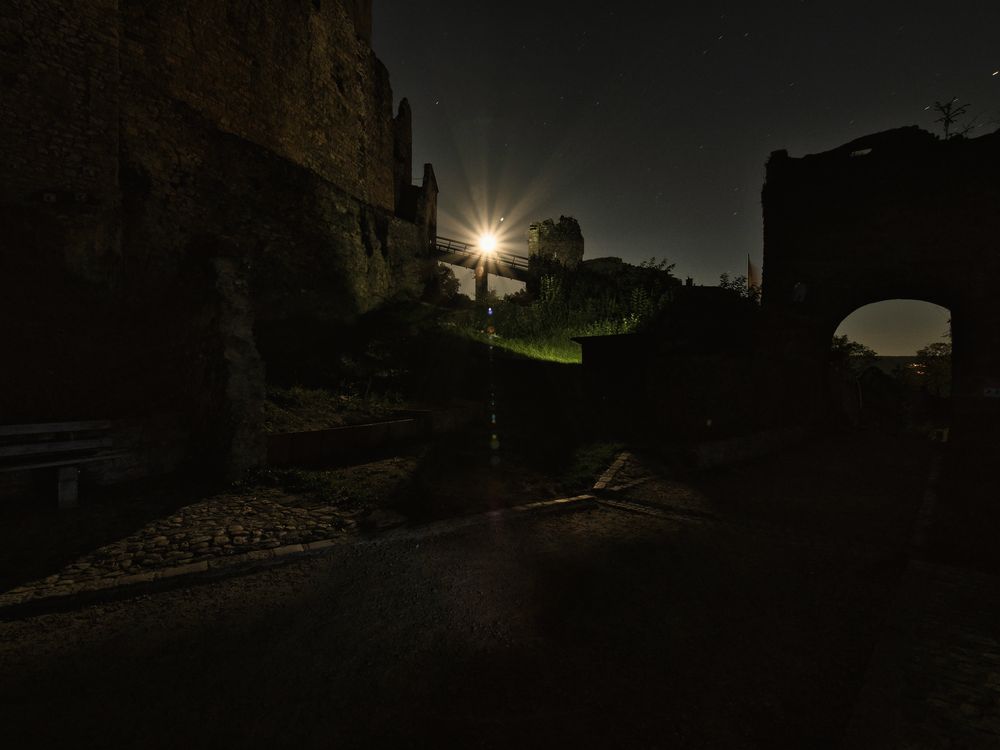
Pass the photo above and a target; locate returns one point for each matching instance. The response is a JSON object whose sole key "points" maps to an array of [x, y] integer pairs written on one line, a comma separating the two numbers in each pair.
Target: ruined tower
{"points": [[895, 215], [562, 241]]}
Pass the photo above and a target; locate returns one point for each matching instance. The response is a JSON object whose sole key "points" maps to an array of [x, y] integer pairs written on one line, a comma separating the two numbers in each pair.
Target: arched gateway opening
{"points": [[890, 367]]}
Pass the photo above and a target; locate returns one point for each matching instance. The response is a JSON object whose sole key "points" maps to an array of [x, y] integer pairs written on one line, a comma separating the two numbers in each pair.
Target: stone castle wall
{"points": [[246, 151], [59, 78], [292, 76], [59, 133]]}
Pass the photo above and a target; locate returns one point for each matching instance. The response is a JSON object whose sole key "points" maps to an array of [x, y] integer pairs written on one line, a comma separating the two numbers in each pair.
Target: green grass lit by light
{"points": [[544, 329], [549, 350], [550, 343], [553, 349]]}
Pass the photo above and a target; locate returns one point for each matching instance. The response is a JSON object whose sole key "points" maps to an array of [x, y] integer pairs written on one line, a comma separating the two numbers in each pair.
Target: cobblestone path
{"points": [[213, 528]]}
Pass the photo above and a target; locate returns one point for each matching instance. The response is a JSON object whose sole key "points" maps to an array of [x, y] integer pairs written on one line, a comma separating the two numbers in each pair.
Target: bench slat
{"points": [[8, 430], [64, 462], [39, 449]]}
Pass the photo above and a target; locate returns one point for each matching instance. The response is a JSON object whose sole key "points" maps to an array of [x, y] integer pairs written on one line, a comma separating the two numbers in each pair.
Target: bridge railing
{"points": [[447, 245]]}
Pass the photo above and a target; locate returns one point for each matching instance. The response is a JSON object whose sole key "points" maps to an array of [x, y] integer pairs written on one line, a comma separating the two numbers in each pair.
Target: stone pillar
{"points": [[402, 159], [244, 377], [219, 373], [482, 280], [427, 205]]}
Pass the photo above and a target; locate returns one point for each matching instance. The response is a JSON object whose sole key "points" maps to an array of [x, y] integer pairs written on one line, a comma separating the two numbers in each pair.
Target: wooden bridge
{"points": [[483, 262]]}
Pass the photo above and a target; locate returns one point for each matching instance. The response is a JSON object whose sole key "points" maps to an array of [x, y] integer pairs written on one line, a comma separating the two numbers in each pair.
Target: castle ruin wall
{"points": [[250, 146]]}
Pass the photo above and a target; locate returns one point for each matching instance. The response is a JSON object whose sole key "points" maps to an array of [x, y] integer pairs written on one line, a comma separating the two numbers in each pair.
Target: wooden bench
{"points": [[64, 446]]}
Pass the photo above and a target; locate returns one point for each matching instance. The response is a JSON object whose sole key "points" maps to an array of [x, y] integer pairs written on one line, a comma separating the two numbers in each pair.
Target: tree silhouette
{"points": [[935, 361], [740, 285], [851, 355], [950, 113]]}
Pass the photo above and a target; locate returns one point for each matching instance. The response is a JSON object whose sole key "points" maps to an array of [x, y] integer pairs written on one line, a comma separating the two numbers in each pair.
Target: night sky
{"points": [[651, 124]]}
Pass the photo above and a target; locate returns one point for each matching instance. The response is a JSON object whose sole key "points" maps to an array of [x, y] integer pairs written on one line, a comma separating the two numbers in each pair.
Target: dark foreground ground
{"points": [[746, 609]]}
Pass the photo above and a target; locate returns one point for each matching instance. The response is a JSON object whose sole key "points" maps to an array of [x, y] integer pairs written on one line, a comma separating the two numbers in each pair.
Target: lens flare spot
{"points": [[487, 243]]}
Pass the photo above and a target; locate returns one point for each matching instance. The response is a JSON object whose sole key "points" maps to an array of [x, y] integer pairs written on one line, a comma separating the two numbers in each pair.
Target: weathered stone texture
{"points": [[144, 138], [59, 94], [562, 241], [291, 77], [228, 382], [360, 12], [313, 249], [402, 157], [59, 114]]}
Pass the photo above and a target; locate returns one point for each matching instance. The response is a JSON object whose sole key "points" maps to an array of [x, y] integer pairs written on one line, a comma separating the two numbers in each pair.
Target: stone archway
{"points": [[907, 383]]}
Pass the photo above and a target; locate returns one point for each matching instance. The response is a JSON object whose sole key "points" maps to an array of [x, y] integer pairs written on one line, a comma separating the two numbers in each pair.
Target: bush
{"points": [[544, 328]]}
